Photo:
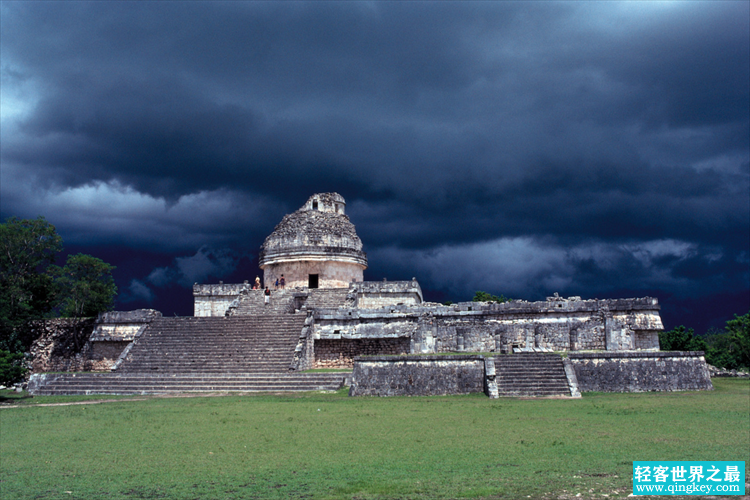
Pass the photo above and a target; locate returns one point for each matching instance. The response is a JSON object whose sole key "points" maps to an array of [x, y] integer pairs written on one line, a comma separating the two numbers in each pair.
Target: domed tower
{"points": [[316, 247]]}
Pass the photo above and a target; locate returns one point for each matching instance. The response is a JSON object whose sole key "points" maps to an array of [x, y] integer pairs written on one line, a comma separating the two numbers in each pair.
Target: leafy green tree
{"points": [[738, 332], [681, 339], [27, 291], [11, 367], [721, 351], [85, 285], [481, 296], [32, 287], [730, 348]]}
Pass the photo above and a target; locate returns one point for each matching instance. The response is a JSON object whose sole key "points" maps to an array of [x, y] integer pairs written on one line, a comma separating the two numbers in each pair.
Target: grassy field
{"points": [[332, 446]]}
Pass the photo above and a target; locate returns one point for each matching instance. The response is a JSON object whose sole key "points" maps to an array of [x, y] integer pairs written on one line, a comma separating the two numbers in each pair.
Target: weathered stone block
{"points": [[417, 375], [641, 371]]}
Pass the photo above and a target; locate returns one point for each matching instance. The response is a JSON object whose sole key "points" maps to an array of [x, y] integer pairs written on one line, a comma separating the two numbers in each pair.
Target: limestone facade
{"points": [[519, 326], [214, 300], [330, 273]]}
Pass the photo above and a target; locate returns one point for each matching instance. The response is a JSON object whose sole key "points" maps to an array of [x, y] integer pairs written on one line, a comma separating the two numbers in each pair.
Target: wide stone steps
{"points": [[216, 345], [533, 374], [203, 368], [115, 383]]}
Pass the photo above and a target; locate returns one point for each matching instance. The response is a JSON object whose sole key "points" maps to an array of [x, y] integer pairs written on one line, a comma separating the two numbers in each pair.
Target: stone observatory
{"points": [[315, 247], [241, 339]]}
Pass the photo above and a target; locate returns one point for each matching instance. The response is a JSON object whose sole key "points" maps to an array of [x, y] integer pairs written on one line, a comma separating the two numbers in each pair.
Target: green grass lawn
{"points": [[332, 446]]}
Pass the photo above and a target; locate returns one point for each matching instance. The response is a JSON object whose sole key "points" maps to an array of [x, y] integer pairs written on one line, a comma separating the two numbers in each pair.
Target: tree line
{"points": [[728, 349], [33, 287]]}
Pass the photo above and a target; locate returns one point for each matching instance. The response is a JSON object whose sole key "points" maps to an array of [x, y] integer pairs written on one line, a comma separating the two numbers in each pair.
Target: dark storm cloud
{"points": [[571, 135]]}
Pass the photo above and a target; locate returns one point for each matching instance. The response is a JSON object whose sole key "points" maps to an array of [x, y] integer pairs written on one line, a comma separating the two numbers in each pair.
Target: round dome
{"points": [[319, 232]]}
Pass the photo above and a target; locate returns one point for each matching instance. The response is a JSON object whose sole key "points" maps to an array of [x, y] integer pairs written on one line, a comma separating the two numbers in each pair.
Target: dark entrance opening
{"points": [[315, 205], [312, 281]]}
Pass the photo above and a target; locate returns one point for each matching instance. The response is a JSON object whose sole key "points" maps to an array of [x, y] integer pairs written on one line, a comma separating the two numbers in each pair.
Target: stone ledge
{"points": [[396, 359], [484, 309], [135, 316], [639, 354]]}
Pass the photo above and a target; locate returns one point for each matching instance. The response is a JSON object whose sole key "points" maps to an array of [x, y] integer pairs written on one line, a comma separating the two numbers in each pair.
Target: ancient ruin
{"points": [[314, 247], [326, 316]]}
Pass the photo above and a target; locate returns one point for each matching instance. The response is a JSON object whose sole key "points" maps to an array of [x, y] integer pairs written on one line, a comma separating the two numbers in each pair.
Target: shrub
{"points": [[11, 368]]}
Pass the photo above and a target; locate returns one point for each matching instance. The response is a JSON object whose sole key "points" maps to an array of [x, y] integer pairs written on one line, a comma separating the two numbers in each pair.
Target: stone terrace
{"points": [[84, 383]]}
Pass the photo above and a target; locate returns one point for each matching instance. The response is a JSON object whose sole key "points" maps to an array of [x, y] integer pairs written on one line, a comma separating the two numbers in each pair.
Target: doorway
{"points": [[312, 281]]}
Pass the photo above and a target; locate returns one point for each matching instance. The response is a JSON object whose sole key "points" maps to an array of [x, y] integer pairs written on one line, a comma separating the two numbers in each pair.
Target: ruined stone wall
{"points": [[641, 371], [341, 353], [418, 375], [377, 294], [495, 333], [62, 345], [65, 344], [617, 325], [378, 300], [331, 273], [214, 300], [647, 340], [105, 354], [356, 324]]}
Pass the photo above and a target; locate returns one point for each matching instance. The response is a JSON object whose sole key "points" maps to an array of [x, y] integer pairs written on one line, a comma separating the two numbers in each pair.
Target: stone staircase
{"points": [[241, 344], [531, 374], [87, 383], [252, 303], [202, 354], [321, 298]]}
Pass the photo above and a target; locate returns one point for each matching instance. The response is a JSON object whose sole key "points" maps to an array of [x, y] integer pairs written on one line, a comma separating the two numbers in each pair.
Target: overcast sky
{"points": [[593, 149]]}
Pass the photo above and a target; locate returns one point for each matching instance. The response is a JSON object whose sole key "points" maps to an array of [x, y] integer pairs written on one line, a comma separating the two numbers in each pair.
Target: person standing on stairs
{"points": [[282, 282], [267, 295]]}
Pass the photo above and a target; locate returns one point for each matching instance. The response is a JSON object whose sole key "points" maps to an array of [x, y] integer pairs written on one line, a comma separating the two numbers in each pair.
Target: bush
{"points": [[481, 296], [681, 339], [11, 368], [730, 349]]}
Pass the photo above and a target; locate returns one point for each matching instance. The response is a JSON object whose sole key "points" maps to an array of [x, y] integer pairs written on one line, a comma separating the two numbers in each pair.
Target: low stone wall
{"points": [[417, 375], [641, 371], [341, 353]]}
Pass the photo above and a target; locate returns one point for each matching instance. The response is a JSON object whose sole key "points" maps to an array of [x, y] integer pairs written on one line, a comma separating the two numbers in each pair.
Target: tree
{"points": [[31, 287], [721, 350], [681, 339], [85, 286], [27, 291], [739, 334], [11, 368], [480, 296]]}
